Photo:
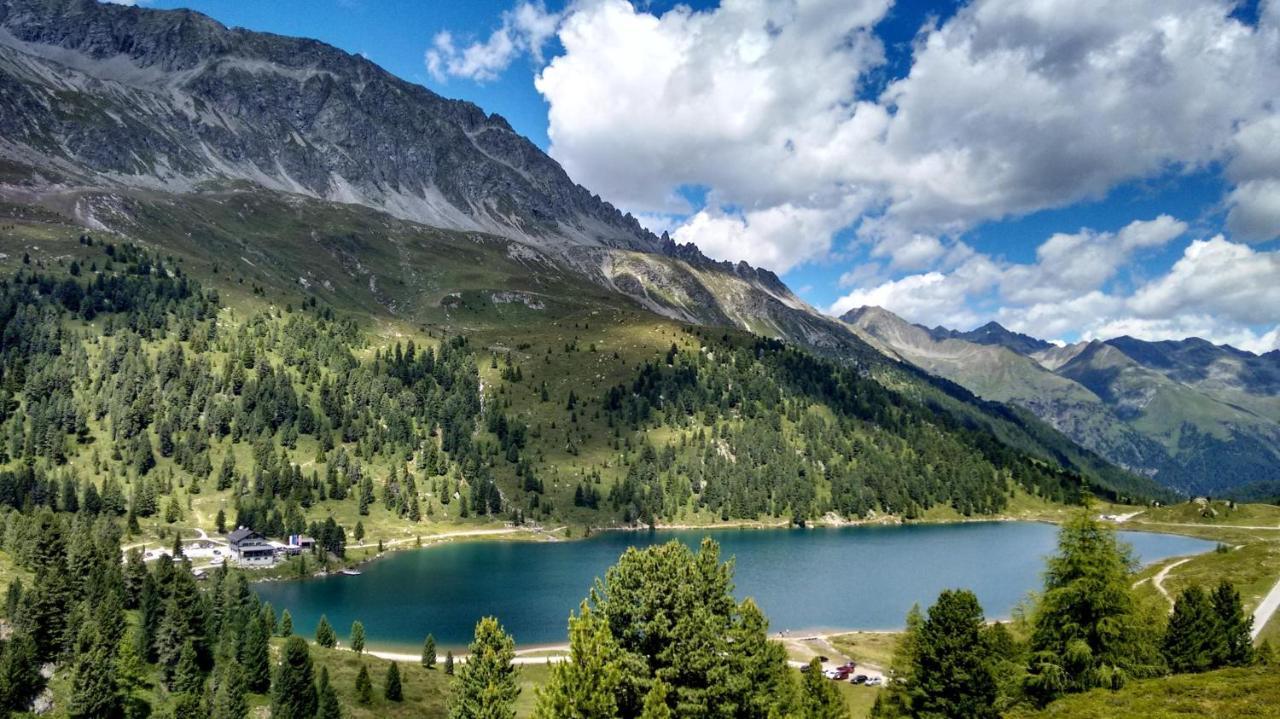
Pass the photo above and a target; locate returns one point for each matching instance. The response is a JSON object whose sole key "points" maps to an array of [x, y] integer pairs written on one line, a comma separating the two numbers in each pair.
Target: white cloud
{"points": [[1009, 107], [1069, 265], [1223, 291], [1225, 279], [524, 29]]}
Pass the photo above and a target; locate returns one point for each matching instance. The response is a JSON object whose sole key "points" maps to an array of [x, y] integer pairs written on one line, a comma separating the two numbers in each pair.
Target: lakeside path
{"points": [[1158, 580]]}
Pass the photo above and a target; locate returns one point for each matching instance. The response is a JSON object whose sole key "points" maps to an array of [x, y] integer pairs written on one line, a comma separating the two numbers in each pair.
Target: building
{"points": [[250, 548]]}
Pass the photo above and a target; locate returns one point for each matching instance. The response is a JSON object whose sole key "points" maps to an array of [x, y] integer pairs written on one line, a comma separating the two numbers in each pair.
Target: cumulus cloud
{"points": [[524, 29], [1008, 107], [1227, 292]]}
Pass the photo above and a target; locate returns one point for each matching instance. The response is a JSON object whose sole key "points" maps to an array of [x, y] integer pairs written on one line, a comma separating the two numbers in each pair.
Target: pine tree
{"points": [[286, 624], [655, 702], [448, 662], [293, 693], [364, 686], [586, 685], [357, 637], [325, 636], [1236, 627], [487, 681], [329, 707], [951, 675], [1194, 641], [391, 686], [429, 652]]}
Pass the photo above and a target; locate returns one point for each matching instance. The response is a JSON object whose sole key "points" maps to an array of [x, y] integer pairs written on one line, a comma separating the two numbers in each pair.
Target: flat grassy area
{"points": [[874, 648], [1225, 694], [425, 690]]}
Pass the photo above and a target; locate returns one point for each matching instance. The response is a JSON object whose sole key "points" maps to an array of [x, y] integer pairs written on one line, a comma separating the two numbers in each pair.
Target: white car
{"points": [[874, 681]]}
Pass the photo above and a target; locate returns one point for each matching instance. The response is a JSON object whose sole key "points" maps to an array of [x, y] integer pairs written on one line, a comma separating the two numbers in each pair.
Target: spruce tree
{"points": [[391, 688], [429, 652], [255, 656], [357, 637], [293, 693], [364, 686], [448, 662], [286, 624], [93, 686], [20, 677], [329, 707], [1236, 626], [951, 675], [187, 677], [486, 684], [1194, 641], [229, 700], [325, 636]]}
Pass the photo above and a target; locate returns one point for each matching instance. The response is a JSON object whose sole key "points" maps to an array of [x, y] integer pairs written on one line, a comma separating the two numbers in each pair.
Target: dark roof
{"points": [[242, 533]]}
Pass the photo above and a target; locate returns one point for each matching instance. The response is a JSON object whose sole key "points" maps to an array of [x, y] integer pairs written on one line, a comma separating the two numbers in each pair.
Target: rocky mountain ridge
{"points": [[1196, 416], [109, 105]]}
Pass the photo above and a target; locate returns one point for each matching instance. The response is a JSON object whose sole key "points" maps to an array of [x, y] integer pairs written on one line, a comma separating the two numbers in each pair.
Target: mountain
{"points": [[284, 173], [108, 103], [993, 333], [1198, 417]]}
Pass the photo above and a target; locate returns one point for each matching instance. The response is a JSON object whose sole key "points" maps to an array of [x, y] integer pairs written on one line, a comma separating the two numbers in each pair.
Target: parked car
{"points": [[874, 681], [859, 679]]}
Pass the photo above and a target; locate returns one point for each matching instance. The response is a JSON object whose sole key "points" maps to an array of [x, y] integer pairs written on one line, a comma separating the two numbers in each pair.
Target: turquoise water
{"points": [[850, 577]]}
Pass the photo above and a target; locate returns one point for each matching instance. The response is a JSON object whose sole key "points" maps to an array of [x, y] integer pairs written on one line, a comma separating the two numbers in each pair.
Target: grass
{"points": [[1228, 693], [425, 690], [874, 648]]}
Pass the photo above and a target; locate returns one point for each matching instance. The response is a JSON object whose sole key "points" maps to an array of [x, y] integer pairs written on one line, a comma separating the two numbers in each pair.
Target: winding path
{"points": [[1158, 580]]}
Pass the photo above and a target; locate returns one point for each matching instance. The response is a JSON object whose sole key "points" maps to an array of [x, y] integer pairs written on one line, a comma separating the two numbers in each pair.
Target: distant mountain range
{"points": [[1198, 417]]}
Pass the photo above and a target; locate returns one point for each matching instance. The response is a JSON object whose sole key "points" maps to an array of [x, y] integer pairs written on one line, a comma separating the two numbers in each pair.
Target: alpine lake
{"points": [[847, 578]]}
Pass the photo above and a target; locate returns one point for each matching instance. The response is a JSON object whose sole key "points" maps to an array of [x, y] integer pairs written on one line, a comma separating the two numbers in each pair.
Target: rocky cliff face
{"points": [[126, 100]]}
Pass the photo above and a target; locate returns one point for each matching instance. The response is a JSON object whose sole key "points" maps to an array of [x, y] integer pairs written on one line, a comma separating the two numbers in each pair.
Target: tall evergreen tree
{"points": [[429, 652], [357, 637], [329, 708], [255, 656], [486, 686], [1194, 641], [325, 636], [951, 675], [819, 699], [585, 686], [1237, 627], [293, 692], [229, 696], [391, 688], [286, 624], [364, 686], [1087, 630]]}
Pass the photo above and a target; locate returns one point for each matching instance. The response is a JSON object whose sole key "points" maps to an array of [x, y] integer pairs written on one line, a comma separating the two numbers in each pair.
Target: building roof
{"points": [[240, 534]]}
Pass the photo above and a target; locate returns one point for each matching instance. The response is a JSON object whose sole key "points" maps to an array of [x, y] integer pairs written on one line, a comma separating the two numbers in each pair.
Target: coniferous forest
{"points": [[134, 400]]}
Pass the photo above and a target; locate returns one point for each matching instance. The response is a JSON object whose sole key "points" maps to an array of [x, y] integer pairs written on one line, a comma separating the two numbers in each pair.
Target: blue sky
{"points": [[1068, 172]]}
